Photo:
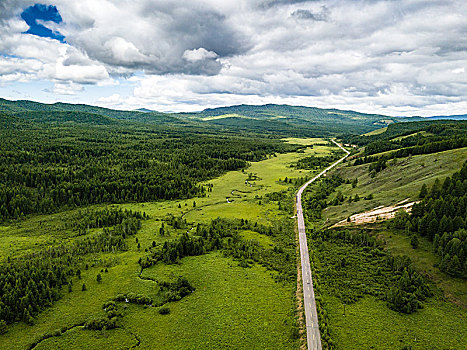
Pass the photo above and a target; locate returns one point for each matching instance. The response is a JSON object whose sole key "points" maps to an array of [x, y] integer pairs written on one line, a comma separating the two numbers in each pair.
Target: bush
{"points": [[164, 310], [177, 290], [101, 323]]}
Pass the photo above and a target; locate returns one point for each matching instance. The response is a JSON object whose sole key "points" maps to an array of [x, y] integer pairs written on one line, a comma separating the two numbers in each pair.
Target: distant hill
{"points": [[144, 110], [66, 117], [449, 117], [22, 109], [329, 121], [269, 118]]}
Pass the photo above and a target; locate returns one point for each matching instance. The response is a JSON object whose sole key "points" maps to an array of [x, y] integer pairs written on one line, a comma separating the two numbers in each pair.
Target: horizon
{"points": [[392, 58], [239, 105]]}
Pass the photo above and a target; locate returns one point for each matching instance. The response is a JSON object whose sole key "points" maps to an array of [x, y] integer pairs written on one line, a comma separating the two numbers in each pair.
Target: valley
{"points": [[119, 232]]}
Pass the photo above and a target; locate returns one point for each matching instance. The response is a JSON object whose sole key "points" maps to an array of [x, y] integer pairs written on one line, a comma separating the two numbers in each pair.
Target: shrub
{"points": [[164, 310]]}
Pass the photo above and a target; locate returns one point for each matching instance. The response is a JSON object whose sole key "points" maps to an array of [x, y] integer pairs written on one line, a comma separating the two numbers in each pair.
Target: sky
{"points": [[394, 57]]}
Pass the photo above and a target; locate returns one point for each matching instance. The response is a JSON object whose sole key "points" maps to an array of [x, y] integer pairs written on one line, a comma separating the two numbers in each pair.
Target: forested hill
{"points": [[332, 120], [272, 119], [275, 120], [50, 112], [404, 139]]}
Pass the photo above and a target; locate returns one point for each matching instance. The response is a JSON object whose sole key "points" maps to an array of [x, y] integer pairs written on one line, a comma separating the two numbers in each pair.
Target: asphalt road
{"points": [[311, 316]]}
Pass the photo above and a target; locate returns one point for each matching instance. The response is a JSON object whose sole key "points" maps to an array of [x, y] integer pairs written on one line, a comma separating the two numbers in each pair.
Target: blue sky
{"points": [[397, 57], [40, 12]]}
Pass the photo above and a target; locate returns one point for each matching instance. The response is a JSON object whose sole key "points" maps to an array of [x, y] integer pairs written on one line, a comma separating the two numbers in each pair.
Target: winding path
{"points": [[311, 315]]}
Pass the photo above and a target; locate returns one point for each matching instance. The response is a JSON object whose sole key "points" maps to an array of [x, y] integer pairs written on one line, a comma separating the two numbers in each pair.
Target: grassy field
{"points": [[366, 321], [398, 242], [442, 323], [232, 307], [376, 132], [402, 179], [370, 324], [422, 133]]}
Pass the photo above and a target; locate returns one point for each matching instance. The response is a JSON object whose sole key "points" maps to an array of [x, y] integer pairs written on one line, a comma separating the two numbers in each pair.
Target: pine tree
{"points": [[423, 191], [432, 229], [445, 225]]}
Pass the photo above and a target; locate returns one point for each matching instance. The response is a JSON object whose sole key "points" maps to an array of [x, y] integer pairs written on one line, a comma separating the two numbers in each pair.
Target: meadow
{"points": [[368, 322], [231, 306], [402, 179]]}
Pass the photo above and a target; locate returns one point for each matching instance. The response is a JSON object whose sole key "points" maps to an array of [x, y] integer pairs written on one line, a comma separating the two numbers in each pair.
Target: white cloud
{"points": [[199, 54], [67, 88], [376, 56]]}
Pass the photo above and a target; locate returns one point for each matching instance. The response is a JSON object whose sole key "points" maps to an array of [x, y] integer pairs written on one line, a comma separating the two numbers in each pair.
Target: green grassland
{"points": [[263, 240], [233, 115], [368, 323], [231, 307], [402, 179], [355, 325], [422, 133], [398, 242], [376, 132]]}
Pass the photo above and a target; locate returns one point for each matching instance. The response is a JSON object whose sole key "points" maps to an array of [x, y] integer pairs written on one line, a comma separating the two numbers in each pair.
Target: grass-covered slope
{"points": [[401, 179], [363, 293]]}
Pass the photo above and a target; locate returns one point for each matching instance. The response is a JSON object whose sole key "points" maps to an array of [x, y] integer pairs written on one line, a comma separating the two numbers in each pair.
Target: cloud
{"points": [[381, 56], [273, 3], [153, 36], [67, 88], [199, 55], [309, 15]]}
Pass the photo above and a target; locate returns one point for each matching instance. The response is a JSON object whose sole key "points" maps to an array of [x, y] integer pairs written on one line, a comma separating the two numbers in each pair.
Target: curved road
{"points": [[311, 316]]}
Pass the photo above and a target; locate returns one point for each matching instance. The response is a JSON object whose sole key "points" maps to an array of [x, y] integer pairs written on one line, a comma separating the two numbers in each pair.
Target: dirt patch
{"points": [[377, 214]]}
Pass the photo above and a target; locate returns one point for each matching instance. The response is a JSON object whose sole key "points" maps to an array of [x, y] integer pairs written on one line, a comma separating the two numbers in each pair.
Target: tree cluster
{"points": [[31, 283], [45, 170], [410, 289], [313, 162], [315, 200], [441, 215], [176, 290]]}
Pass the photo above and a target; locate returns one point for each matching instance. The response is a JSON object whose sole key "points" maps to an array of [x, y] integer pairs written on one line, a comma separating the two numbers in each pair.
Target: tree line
{"points": [[441, 216], [47, 169], [30, 283]]}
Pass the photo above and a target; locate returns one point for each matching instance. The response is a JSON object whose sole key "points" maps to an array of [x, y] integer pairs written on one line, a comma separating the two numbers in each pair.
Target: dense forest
{"points": [[44, 169]]}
